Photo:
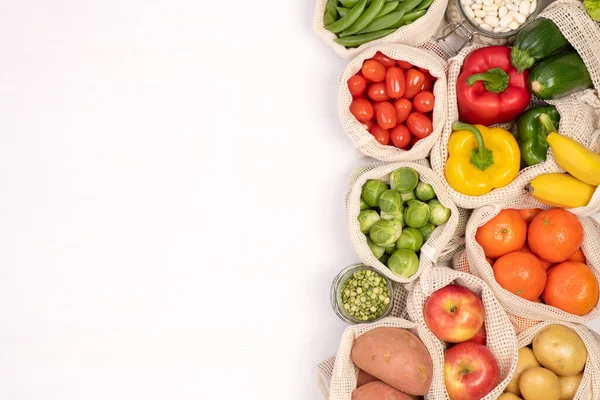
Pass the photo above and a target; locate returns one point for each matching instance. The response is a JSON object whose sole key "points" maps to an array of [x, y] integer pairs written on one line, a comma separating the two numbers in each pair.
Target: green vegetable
{"points": [[426, 230], [408, 196], [410, 17], [559, 75], [438, 214], [416, 214], [384, 22], [331, 12], [348, 19], [404, 263], [537, 40], [410, 239], [593, 8], [404, 179], [365, 295], [371, 191], [364, 205], [424, 5], [377, 251], [424, 191], [366, 219], [384, 259], [531, 133], [389, 202], [390, 250], [388, 8], [384, 232], [342, 11], [357, 40], [365, 19], [399, 215]]}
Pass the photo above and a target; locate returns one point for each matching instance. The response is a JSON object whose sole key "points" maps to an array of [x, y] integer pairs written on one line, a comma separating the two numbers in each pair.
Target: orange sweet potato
{"points": [[364, 378], [379, 391]]}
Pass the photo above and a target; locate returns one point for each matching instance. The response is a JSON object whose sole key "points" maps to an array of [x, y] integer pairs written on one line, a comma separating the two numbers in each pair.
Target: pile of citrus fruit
{"points": [[537, 256]]}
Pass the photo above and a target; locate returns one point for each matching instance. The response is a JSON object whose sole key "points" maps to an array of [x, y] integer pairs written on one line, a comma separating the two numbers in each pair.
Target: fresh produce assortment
{"points": [[498, 16], [540, 260], [551, 369], [397, 219], [456, 315], [357, 22], [394, 100], [396, 363]]}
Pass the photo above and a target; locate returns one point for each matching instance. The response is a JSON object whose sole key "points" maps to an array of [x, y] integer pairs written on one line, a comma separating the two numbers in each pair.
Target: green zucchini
{"points": [[559, 75], [536, 41]]}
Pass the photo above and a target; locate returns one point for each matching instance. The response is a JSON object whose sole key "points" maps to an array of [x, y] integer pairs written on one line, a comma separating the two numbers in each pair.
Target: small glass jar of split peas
{"points": [[360, 294]]}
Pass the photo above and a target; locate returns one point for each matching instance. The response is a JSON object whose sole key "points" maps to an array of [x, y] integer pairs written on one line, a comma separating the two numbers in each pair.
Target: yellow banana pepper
{"points": [[481, 159]]}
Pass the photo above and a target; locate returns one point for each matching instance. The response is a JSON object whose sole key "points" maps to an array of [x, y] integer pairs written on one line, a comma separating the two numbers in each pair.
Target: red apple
{"points": [[480, 337], [470, 371], [454, 314]]}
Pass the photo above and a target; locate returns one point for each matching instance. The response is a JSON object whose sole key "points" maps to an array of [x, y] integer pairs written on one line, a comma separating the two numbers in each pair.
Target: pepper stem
{"points": [[481, 157], [547, 122], [495, 80]]}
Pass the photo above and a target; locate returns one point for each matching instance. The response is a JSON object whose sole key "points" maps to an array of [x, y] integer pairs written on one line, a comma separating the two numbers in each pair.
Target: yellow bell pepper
{"points": [[481, 159]]}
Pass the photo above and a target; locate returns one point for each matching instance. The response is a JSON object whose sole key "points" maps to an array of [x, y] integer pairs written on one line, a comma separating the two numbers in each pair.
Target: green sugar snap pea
{"points": [[407, 6], [343, 11], [388, 8], [424, 5], [413, 16], [365, 19], [348, 19], [384, 22], [357, 40], [331, 13]]}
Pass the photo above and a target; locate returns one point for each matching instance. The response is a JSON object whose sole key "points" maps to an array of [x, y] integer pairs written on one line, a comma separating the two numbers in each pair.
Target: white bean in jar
{"points": [[498, 16]]}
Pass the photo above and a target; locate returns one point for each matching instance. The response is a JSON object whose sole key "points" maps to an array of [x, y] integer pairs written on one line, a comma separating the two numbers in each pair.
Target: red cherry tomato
{"points": [[403, 108], [419, 125], [375, 105], [404, 64], [394, 82], [357, 85], [377, 92], [368, 124], [386, 115], [414, 82], [361, 109], [384, 60], [428, 83], [373, 71], [400, 136], [423, 102], [381, 135]]}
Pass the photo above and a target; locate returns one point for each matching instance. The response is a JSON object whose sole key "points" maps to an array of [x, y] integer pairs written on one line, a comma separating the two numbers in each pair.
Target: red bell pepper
{"points": [[489, 89]]}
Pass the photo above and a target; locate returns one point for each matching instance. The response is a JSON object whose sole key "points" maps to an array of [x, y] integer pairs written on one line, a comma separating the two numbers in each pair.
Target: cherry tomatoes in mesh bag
{"points": [[394, 82], [386, 61], [377, 92], [380, 134], [423, 102], [400, 136], [419, 125], [414, 82], [386, 115], [362, 109], [357, 85], [373, 71], [403, 108]]}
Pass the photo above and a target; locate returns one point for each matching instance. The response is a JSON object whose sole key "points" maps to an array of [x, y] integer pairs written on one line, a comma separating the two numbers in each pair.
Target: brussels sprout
{"points": [[390, 250], [398, 217], [364, 205], [366, 219], [384, 259], [438, 214], [416, 214], [384, 232], [404, 179], [410, 239], [377, 251], [371, 191], [408, 196], [424, 191], [389, 201], [426, 230], [403, 263]]}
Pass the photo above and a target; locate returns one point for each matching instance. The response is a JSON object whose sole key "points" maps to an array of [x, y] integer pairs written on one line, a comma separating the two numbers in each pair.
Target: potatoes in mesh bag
{"points": [[364, 142], [501, 338], [414, 34], [524, 311], [577, 120], [431, 249]]}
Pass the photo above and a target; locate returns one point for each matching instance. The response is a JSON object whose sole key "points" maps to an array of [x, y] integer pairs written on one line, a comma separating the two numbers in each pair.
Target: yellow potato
{"points": [[538, 383], [509, 396], [525, 360], [560, 349], [569, 386]]}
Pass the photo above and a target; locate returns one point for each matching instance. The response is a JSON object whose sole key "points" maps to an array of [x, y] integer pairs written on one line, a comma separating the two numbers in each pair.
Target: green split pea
{"points": [[365, 295]]}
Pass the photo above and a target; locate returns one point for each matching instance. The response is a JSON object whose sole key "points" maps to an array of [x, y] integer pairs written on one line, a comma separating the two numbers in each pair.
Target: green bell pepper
{"points": [[531, 133]]}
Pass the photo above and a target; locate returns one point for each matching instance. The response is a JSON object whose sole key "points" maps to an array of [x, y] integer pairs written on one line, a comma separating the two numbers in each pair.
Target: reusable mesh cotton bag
{"points": [[577, 122], [341, 379], [431, 249], [589, 387], [414, 34], [525, 311], [366, 143], [501, 338]]}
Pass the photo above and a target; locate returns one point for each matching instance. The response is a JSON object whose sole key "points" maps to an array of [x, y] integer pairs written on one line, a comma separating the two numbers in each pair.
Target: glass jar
{"points": [[336, 288]]}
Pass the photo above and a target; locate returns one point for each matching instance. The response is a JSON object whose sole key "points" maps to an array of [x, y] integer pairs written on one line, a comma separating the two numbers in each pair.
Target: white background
{"points": [[171, 199]]}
